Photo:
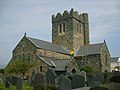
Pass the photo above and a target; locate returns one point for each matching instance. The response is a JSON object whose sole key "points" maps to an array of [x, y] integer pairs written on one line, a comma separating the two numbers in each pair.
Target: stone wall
{"points": [[91, 60], [76, 29], [52, 54], [105, 59], [24, 50]]}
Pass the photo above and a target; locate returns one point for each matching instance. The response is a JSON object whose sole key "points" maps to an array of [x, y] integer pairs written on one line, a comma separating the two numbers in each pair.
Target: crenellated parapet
{"points": [[66, 15]]}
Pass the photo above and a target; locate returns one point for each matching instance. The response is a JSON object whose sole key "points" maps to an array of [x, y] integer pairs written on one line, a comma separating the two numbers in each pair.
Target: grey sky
{"points": [[34, 18]]}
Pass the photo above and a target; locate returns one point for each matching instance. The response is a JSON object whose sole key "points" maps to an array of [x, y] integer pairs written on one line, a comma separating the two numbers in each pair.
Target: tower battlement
{"points": [[70, 14]]}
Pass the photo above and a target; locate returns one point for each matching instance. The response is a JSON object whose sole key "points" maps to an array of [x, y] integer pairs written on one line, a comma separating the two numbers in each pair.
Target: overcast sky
{"points": [[34, 18]]}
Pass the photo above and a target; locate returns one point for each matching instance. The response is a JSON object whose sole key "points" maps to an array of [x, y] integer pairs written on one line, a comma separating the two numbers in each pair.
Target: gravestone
{"points": [[1, 79], [51, 76], [32, 78], [9, 79], [108, 76], [39, 81], [14, 80], [93, 81], [115, 79], [78, 81], [7, 84], [58, 79], [64, 84], [98, 88], [83, 73], [29, 82], [100, 77], [18, 83]]}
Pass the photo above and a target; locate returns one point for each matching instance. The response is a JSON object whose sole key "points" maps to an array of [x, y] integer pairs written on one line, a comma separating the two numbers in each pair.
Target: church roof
{"points": [[48, 46], [59, 64], [114, 59], [89, 49]]}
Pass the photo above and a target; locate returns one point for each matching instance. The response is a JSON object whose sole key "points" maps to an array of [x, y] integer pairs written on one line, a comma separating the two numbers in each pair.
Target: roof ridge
{"points": [[92, 44], [39, 39], [62, 49]]}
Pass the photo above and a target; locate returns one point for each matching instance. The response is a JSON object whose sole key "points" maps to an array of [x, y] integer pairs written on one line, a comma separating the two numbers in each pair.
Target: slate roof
{"points": [[114, 59], [59, 64], [48, 46], [89, 49]]}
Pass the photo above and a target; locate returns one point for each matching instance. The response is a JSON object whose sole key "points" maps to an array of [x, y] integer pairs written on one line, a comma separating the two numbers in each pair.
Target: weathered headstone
{"points": [[78, 81], [18, 83], [39, 81], [100, 77], [1, 79], [9, 79], [58, 79], [29, 82], [14, 80], [108, 76], [65, 84], [83, 73], [98, 88], [32, 78], [7, 84], [93, 81], [51, 76]]}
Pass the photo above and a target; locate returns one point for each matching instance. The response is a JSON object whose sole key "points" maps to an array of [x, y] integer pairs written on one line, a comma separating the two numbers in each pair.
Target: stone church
{"points": [[70, 32]]}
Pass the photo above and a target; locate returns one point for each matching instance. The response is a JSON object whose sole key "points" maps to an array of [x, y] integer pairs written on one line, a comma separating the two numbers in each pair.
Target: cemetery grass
{"points": [[25, 87]]}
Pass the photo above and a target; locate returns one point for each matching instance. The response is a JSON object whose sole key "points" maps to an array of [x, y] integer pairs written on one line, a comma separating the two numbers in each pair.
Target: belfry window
{"points": [[63, 27], [60, 28]]}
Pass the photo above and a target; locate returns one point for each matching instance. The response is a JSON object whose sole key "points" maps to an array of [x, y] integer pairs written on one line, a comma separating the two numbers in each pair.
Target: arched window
{"points": [[40, 68], [28, 56], [18, 57], [23, 56], [63, 27], [60, 28]]}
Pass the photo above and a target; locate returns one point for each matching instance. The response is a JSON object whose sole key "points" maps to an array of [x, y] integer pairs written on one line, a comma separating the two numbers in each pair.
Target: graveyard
{"points": [[52, 81], [69, 62]]}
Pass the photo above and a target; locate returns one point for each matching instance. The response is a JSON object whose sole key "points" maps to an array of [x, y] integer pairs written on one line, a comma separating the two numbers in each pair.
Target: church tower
{"points": [[70, 29]]}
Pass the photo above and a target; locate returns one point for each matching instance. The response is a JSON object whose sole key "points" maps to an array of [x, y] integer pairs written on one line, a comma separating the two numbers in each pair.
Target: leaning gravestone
{"points": [[9, 79], [51, 76], [18, 83], [64, 84], [39, 81], [7, 84], [78, 81], [83, 73]]}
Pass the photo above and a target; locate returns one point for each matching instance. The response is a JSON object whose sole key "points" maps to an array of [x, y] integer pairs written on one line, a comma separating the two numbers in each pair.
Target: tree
{"points": [[20, 67], [87, 69]]}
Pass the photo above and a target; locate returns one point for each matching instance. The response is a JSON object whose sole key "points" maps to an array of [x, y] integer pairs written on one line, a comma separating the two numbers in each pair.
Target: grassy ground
{"points": [[25, 87]]}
